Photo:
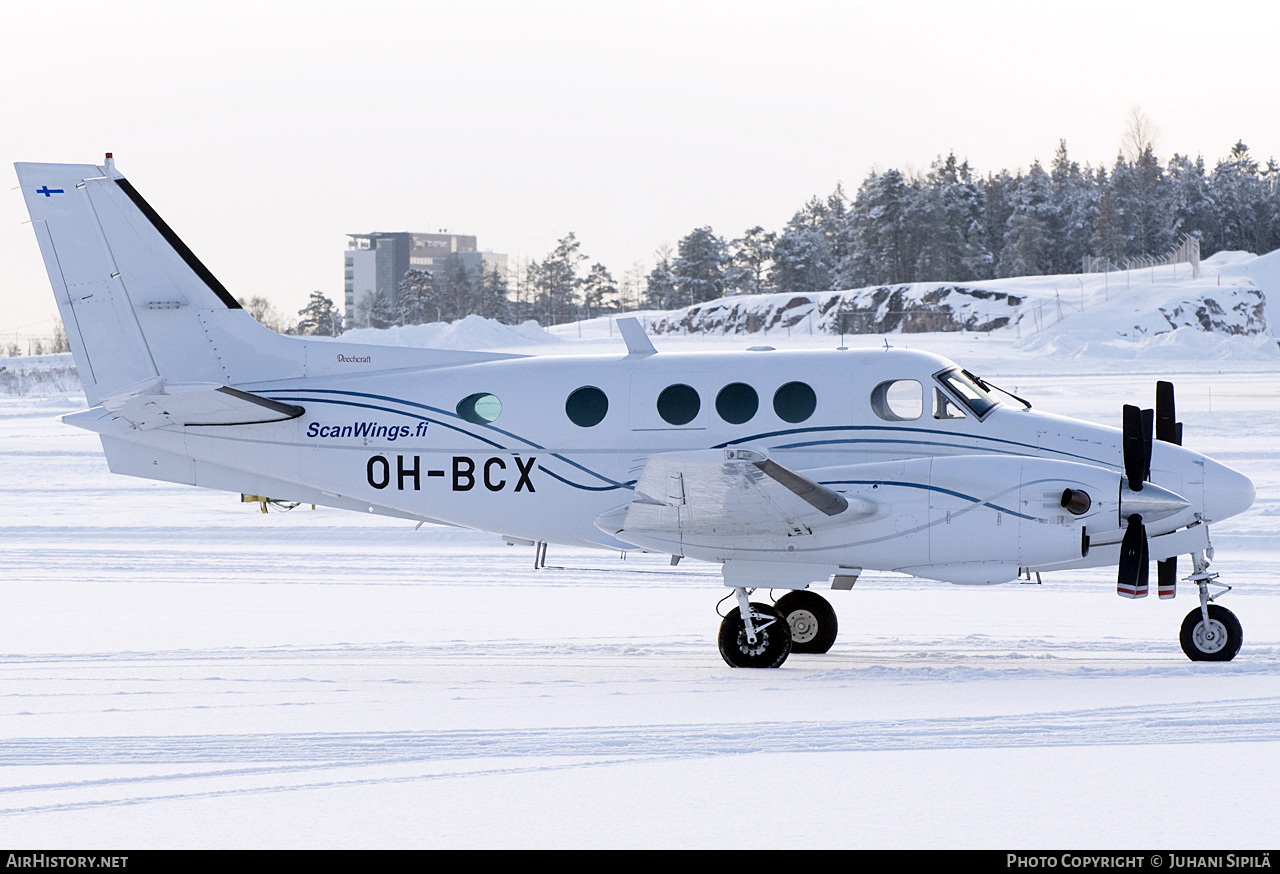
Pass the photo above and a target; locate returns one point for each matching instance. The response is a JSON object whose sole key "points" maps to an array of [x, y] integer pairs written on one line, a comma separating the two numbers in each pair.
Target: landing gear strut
{"points": [[763, 640]]}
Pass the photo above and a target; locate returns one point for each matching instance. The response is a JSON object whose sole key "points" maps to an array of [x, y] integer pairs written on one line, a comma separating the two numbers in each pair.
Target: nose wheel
{"points": [[1215, 639]]}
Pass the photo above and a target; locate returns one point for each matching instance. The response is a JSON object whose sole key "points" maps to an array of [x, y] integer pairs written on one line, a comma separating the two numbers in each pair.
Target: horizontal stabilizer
{"points": [[158, 404]]}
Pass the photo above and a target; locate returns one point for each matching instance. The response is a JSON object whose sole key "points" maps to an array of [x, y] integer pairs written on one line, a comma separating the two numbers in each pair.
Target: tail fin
{"points": [[135, 301]]}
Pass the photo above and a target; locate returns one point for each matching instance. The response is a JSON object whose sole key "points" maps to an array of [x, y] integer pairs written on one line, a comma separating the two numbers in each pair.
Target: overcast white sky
{"points": [[264, 132]]}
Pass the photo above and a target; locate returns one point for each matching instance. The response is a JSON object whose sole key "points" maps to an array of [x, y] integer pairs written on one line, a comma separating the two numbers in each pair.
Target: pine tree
{"points": [[749, 258], [1076, 211], [491, 296], [1108, 239], [1194, 209], [660, 285], [1242, 196], [319, 317], [808, 254], [556, 281], [599, 291], [379, 311], [1141, 194], [1028, 241], [456, 290], [416, 299], [946, 212], [699, 267], [885, 245]]}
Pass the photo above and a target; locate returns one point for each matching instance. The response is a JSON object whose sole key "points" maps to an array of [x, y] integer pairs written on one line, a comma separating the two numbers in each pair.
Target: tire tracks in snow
{"points": [[287, 762]]}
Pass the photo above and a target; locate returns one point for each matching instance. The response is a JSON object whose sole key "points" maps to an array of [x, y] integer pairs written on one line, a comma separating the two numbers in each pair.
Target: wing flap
{"points": [[724, 495]]}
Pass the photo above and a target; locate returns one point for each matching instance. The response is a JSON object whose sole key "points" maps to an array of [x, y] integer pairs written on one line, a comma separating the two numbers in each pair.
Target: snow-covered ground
{"points": [[180, 670]]}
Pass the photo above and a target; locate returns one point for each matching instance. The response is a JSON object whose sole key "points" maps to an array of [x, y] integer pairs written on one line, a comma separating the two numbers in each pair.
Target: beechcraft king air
{"points": [[790, 470]]}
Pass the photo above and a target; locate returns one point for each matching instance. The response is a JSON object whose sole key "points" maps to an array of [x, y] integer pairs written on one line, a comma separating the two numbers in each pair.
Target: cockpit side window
{"points": [[963, 387], [944, 407]]}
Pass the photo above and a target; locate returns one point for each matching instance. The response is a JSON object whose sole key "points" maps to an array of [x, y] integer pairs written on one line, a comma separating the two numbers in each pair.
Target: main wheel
{"points": [[1218, 641], [812, 620], [773, 638]]}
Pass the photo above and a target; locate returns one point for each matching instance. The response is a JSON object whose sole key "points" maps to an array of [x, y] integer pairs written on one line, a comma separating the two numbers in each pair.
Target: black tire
{"points": [[773, 642], [1220, 643], [812, 620]]}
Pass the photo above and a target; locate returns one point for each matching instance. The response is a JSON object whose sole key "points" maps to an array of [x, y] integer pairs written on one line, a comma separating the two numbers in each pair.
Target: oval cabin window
{"points": [[679, 404], [587, 406], [737, 403], [479, 409], [794, 402]]}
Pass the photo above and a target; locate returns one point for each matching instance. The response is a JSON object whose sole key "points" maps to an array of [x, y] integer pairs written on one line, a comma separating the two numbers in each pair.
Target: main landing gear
{"points": [[800, 621], [812, 620]]}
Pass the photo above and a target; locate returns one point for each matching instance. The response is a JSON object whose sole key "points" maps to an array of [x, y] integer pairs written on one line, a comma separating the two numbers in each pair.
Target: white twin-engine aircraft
{"points": [[788, 469]]}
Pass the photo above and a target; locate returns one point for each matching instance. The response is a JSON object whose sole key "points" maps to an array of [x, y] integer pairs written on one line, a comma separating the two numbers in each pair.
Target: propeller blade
{"points": [[1167, 577], [1133, 579], [1148, 425], [1136, 443], [1168, 429]]}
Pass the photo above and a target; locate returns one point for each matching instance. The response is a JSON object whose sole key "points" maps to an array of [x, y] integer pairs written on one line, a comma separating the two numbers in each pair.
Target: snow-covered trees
{"points": [[660, 286], [949, 224], [1246, 212], [599, 291], [945, 224], [750, 257], [1028, 242], [319, 317], [698, 270], [555, 282], [417, 301]]}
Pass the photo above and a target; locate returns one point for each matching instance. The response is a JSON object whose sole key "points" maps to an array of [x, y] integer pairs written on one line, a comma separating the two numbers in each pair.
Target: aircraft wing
{"points": [[155, 404], [726, 493]]}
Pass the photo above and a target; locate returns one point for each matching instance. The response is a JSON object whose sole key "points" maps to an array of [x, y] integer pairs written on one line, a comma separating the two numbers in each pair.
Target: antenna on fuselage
{"points": [[638, 342]]}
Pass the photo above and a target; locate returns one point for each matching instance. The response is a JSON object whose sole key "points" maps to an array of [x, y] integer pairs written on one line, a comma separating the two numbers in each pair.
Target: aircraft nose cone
{"points": [[1226, 491]]}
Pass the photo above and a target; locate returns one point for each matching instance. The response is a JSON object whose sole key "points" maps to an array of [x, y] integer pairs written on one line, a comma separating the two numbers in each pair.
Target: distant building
{"points": [[377, 262]]}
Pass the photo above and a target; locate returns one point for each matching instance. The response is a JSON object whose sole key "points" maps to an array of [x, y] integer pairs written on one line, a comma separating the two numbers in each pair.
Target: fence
{"points": [[17, 345], [1186, 252]]}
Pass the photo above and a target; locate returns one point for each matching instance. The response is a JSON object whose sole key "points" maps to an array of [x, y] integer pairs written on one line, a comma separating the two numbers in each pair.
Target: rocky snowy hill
{"points": [[1159, 312], [1229, 297]]}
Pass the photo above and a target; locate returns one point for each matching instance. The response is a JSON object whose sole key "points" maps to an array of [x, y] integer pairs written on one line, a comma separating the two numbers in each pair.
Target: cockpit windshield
{"points": [[967, 390]]}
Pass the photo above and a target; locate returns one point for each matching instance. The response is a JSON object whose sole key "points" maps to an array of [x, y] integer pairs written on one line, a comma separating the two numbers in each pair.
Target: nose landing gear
{"points": [[1210, 633]]}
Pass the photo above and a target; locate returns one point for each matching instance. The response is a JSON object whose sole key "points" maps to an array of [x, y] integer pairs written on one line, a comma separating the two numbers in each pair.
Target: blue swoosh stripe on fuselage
{"points": [[613, 484], [929, 488], [767, 434], [494, 428], [739, 440], [553, 475]]}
